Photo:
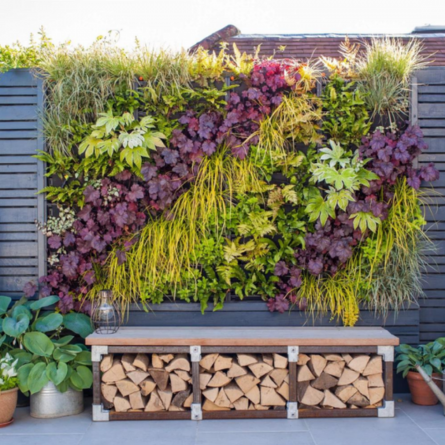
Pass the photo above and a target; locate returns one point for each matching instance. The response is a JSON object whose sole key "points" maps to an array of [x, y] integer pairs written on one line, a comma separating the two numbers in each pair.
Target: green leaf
{"points": [[22, 375], [66, 353], [86, 375], [19, 310], [44, 302], [39, 344], [62, 341], [84, 358], [21, 356], [319, 208], [4, 304], [49, 323], [37, 378], [56, 374], [78, 323], [16, 327], [76, 380]]}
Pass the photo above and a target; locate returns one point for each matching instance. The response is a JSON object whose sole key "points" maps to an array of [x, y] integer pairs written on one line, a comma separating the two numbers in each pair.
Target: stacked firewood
{"points": [[340, 381], [244, 381], [146, 382]]}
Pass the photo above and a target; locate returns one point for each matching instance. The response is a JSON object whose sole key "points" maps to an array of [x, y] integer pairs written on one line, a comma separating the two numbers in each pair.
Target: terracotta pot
{"points": [[421, 393], [8, 402]]}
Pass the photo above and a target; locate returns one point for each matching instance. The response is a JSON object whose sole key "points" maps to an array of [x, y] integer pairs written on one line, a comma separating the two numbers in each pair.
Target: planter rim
{"points": [[417, 376], [9, 390]]}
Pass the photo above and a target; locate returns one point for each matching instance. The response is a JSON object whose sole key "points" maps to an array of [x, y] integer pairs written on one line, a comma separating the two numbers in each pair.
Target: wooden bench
{"points": [[289, 372]]}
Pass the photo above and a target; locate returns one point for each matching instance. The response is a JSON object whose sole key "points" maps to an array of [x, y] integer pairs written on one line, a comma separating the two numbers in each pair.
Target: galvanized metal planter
{"points": [[50, 403]]}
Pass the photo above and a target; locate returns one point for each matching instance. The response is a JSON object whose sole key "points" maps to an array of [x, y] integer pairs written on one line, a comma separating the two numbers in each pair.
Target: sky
{"points": [[181, 23]]}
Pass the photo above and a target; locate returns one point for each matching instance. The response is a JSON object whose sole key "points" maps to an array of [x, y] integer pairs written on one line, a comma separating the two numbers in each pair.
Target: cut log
{"points": [[127, 362], [210, 406], [308, 395], [114, 374], [279, 375], [137, 376], [254, 395], [222, 400], [359, 400], [184, 375], [211, 394], [344, 393], [180, 398], [325, 381], [204, 380], [267, 381], [362, 385], [208, 360], [106, 363], [108, 392], [141, 361], [175, 408], [279, 361], [246, 359], [332, 401], [302, 359], [267, 358], [160, 376], [178, 363], [218, 380], [333, 357], [346, 357], [188, 401], [376, 395], [155, 403], [126, 387], [233, 392], [222, 362], [375, 380], [121, 404], [304, 374], [269, 397], [247, 382], [166, 358], [147, 387], [236, 371], [317, 364], [261, 407], [136, 401], [166, 397], [359, 363], [260, 369], [335, 368], [353, 407], [283, 390], [241, 404], [374, 366], [348, 376], [177, 383], [156, 362]]}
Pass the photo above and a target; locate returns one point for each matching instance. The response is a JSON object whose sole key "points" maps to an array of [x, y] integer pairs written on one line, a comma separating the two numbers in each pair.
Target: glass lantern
{"points": [[105, 315]]}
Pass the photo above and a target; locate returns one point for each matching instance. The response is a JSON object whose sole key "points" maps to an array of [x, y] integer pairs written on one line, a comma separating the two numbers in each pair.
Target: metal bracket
{"points": [[387, 410], [292, 353], [292, 410], [196, 411], [97, 352], [387, 352], [195, 352], [100, 414]]}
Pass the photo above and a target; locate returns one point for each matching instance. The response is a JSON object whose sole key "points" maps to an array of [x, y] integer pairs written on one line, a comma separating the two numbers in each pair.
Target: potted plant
{"points": [[52, 368], [431, 357], [8, 389]]}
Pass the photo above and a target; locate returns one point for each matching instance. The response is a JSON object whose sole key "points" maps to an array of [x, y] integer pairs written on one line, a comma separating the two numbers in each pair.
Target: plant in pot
{"points": [[431, 357], [8, 389], [52, 368]]}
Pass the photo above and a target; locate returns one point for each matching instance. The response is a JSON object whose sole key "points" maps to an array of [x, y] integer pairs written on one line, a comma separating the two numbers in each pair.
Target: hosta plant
{"points": [[42, 345]]}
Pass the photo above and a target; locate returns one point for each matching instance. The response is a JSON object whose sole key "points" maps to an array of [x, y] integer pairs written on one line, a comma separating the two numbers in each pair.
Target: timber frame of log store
{"points": [[230, 373]]}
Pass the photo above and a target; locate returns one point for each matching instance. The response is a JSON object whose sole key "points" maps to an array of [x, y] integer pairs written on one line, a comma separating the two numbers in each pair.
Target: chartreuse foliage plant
{"points": [[178, 183], [40, 348]]}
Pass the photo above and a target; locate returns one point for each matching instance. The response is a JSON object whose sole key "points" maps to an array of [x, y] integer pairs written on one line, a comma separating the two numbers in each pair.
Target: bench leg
{"points": [[388, 408], [99, 413]]}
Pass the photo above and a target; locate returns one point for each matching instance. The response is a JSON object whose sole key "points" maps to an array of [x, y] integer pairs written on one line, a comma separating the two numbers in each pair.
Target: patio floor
{"points": [[413, 425]]}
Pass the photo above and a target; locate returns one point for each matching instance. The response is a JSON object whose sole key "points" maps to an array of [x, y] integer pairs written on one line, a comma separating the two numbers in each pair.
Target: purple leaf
{"points": [[54, 241], [30, 289]]}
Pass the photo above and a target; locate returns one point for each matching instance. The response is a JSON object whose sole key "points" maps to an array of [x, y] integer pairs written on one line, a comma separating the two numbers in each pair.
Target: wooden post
{"points": [[195, 354]]}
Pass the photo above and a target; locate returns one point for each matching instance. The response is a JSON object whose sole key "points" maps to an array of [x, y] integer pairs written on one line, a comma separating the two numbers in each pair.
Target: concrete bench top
{"points": [[249, 336]]}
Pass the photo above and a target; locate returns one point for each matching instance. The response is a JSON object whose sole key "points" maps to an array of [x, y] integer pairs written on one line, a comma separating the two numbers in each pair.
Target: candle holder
{"points": [[106, 316]]}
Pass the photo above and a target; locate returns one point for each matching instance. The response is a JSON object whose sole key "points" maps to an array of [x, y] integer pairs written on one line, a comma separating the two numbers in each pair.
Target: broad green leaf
{"points": [[76, 380], [39, 344], [86, 375], [66, 353], [83, 358], [37, 378], [62, 341], [56, 373], [18, 310], [4, 304], [16, 327], [78, 323], [44, 302], [21, 356], [22, 375], [319, 208], [49, 323]]}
